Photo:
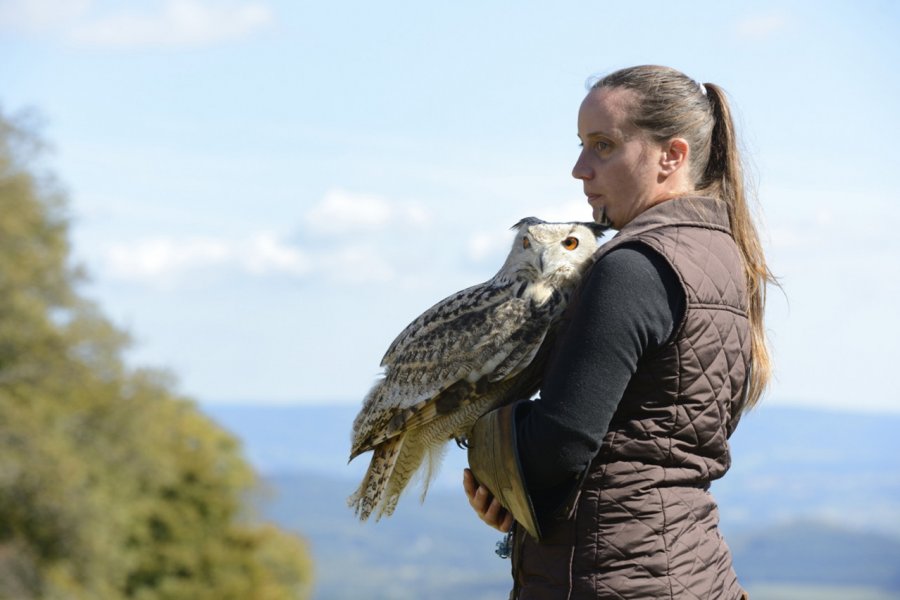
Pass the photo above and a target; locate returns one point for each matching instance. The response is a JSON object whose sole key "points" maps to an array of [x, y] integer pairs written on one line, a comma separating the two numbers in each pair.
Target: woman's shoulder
{"points": [[634, 262], [638, 283]]}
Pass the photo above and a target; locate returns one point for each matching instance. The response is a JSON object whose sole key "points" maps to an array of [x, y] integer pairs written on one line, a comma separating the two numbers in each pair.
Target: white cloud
{"points": [[760, 26], [35, 15], [265, 254], [167, 262], [486, 246], [159, 257], [173, 23], [341, 211], [161, 260], [416, 215], [180, 23]]}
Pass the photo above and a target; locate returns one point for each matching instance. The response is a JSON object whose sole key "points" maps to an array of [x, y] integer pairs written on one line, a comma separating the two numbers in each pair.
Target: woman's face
{"points": [[618, 165]]}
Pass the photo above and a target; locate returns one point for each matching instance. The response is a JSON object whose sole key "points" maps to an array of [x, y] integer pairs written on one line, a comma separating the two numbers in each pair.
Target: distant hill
{"points": [[819, 554], [433, 550], [801, 464], [788, 464], [811, 508], [280, 439], [440, 550]]}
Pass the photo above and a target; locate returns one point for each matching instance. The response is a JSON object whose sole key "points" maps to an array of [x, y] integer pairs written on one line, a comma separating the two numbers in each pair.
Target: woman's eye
{"points": [[601, 146], [525, 243], [570, 243]]}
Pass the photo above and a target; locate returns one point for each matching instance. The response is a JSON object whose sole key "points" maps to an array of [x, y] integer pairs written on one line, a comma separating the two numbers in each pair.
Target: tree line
{"points": [[112, 485]]}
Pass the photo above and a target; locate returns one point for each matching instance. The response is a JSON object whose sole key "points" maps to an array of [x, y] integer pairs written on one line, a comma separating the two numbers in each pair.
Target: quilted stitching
{"points": [[648, 526]]}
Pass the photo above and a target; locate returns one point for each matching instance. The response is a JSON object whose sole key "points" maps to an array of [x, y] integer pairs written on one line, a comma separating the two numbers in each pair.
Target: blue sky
{"points": [[266, 193]]}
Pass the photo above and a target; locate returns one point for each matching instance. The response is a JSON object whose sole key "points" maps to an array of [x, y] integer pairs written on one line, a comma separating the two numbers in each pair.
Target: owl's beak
{"points": [[541, 262]]}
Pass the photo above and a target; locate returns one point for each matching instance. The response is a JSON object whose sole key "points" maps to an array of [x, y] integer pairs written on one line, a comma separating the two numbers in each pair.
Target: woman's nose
{"points": [[581, 170]]}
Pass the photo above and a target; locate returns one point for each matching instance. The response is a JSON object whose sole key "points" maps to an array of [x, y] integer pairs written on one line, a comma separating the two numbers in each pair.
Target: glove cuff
{"points": [[494, 460]]}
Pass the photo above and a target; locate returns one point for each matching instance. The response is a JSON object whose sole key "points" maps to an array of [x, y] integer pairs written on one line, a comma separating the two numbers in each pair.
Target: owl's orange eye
{"points": [[525, 243], [570, 243]]}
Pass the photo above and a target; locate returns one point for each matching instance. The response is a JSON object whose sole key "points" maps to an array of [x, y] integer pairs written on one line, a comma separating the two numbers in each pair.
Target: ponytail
{"points": [[724, 178]]}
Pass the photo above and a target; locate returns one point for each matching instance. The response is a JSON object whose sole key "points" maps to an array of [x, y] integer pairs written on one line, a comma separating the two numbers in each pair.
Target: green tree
{"points": [[111, 485]]}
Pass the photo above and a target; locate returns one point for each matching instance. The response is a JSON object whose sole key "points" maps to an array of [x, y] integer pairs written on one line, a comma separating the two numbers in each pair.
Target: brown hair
{"points": [[670, 104]]}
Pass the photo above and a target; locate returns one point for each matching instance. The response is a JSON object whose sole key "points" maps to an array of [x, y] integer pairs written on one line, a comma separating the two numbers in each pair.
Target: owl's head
{"points": [[552, 253]]}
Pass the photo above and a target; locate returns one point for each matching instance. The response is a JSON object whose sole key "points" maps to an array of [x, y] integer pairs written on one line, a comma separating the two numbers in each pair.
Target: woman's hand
{"points": [[485, 505]]}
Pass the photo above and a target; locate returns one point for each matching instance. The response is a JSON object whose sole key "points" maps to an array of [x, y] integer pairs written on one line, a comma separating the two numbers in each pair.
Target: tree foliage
{"points": [[111, 485]]}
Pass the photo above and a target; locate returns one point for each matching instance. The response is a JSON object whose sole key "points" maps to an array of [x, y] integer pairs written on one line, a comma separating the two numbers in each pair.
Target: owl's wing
{"points": [[479, 336], [481, 332], [446, 311]]}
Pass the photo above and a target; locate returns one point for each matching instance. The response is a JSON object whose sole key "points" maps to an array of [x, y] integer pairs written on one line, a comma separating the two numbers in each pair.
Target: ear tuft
{"points": [[597, 228], [527, 222]]}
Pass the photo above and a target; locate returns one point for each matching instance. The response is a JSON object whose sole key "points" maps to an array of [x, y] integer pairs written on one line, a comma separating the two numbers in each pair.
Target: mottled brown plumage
{"points": [[469, 353]]}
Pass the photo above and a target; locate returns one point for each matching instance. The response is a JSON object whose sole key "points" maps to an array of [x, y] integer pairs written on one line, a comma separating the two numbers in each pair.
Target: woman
{"points": [[612, 465]]}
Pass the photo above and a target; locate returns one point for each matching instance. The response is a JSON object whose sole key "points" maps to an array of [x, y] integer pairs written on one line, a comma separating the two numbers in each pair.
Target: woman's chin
{"points": [[601, 218]]}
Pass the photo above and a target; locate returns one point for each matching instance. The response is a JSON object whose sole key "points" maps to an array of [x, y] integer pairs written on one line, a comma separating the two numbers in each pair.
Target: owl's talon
{"points": [[462, 441]]}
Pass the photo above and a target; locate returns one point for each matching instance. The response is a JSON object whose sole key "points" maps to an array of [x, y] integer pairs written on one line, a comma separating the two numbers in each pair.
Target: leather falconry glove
{"points": [[494, 460]]}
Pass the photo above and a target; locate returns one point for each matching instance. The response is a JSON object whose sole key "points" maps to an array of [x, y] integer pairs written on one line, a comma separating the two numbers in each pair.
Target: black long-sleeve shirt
{"points": [[629, 305]]}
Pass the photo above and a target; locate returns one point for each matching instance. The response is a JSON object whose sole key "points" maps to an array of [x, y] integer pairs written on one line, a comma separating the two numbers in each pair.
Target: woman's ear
{"points": [[674, 156]]}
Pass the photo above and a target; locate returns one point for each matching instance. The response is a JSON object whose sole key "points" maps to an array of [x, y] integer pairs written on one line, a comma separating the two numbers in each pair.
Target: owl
{"points": [[472, 352]]}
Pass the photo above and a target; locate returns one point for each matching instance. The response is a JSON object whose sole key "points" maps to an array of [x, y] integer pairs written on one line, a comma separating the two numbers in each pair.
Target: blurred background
{"points": [[262, 194]]}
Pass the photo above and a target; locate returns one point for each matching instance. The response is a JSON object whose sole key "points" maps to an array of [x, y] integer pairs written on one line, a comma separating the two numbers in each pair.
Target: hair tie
{"points": [[702, 88]]}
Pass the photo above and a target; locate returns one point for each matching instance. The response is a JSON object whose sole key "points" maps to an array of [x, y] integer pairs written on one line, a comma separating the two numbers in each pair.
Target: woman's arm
{"points": [[629, 305]]}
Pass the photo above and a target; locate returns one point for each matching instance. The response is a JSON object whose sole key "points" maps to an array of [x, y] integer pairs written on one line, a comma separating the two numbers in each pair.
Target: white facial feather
{"points": [[548, 256]]}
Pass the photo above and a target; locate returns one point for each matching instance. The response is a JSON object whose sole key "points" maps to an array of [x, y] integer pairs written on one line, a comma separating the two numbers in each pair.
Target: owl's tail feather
{"points": [[394, 463], [408, 464], [370, 494]]}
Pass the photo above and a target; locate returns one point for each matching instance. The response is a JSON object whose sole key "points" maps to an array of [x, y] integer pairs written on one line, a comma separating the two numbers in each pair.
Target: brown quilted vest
{"points": [[644, 525]]}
